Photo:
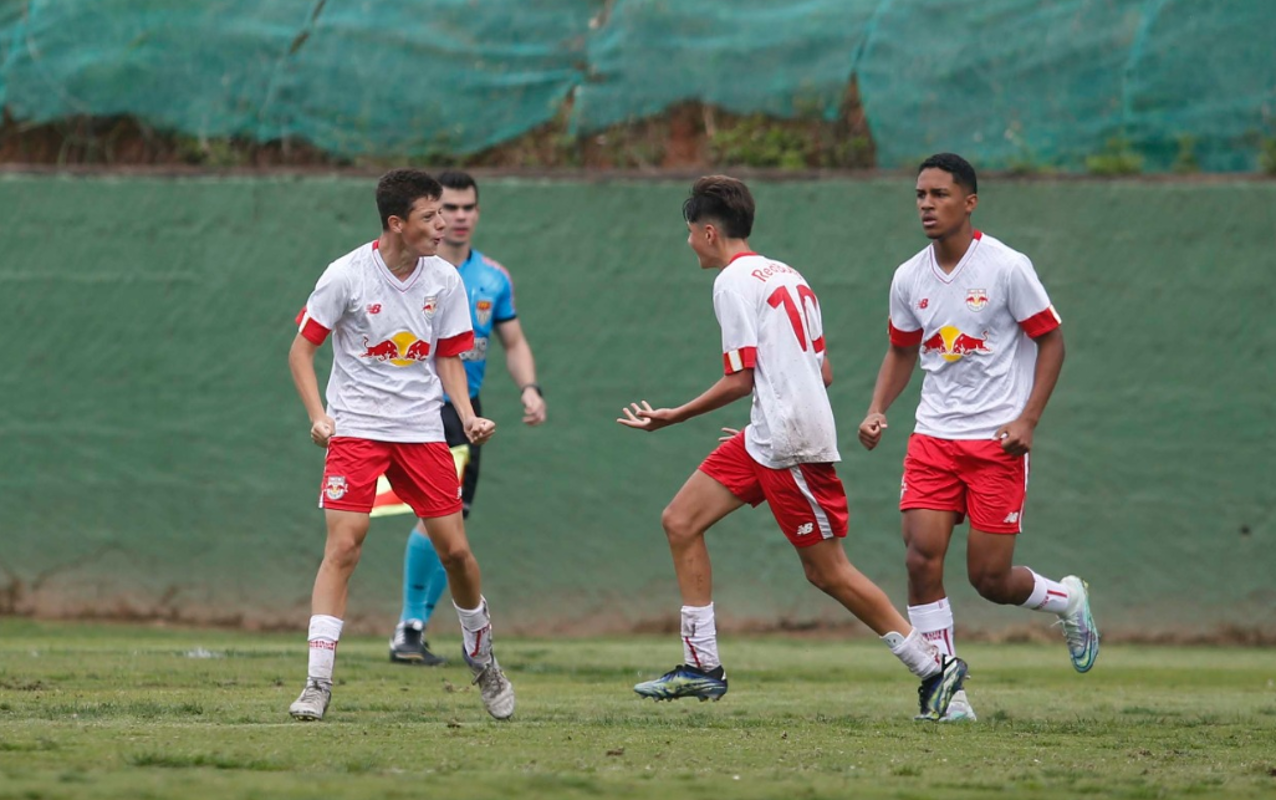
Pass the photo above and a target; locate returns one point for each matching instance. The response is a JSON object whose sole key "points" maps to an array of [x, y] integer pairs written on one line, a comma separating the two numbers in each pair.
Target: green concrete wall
{"points": [[156, 460]]}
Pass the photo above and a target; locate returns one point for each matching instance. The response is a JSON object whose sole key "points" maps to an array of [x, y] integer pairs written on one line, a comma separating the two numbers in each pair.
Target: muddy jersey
{"points": [[975, 327], [386, 333], [771, 323]]}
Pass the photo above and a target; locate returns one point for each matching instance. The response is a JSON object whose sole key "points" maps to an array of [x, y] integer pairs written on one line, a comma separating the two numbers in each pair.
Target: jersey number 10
{"points": [[797, 312]]}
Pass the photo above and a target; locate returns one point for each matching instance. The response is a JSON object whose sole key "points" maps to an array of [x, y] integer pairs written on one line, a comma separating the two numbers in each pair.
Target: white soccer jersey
{"points": [[975, 326], [386, 333], [771, 322]]}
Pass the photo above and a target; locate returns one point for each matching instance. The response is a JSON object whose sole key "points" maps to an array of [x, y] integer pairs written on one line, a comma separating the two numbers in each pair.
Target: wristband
{"points": [[535, 386]]}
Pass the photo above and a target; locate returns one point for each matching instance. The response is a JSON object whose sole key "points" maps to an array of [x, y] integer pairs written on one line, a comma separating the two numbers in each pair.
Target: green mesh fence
{"points": [[1008, 82], [783, 59]]}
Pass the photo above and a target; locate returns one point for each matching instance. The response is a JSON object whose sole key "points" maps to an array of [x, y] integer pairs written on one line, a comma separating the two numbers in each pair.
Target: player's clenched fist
{"points": [[871, 430], [479, 430], [321, 430]]}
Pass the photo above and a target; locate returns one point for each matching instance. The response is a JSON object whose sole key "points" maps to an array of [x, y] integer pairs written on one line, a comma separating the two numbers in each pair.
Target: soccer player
{"points": [[399, 323], [491, 301], [773, 349], [991, 348]]}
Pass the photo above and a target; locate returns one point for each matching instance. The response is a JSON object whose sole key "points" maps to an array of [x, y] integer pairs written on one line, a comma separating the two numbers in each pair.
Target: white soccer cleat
{"points": [[494, 687], [1078, 625], [313, 702], [959, 709]]}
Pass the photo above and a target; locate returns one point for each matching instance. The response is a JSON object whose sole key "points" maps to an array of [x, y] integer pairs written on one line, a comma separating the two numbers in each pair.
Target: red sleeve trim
{"points": [[1042, 323], [312, 331], [736, 360], [301, 315], [903, 338], [455, 345], [818, 344]]}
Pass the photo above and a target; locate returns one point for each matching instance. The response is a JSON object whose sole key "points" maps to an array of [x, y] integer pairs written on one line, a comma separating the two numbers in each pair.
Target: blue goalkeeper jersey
{"points": [[491, 295]]}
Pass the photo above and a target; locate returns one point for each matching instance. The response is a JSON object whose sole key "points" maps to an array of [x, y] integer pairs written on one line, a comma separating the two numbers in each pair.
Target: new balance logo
{"points": [[1011, 518], [805, 528]]}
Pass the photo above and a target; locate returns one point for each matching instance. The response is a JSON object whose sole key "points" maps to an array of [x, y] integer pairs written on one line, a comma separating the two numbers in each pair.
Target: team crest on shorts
{"points": [[976, 299], [336, 487], [483, 311], [431, 305]]}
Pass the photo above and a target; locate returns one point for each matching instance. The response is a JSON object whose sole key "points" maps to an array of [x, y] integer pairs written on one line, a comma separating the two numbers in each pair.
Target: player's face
{"points": [[422, 231], [701, 239], [942, 205], [461, 211]]}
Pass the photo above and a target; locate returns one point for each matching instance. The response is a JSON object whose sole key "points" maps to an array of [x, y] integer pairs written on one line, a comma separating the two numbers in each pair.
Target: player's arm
{"points": [[301, 362], [1016, 437], [892, 379], [728, 389], [452, 375], [522, 368], [826, 370]]}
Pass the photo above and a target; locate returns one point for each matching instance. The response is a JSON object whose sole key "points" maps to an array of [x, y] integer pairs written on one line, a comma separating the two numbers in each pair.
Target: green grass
{"points": [[137, 712]]}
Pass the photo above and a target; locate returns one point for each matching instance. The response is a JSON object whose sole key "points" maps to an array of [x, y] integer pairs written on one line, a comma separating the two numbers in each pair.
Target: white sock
{"points": [[476, 631], [921, 657], [325, 632], [699, 638], [1047, 595], [935, 622]]}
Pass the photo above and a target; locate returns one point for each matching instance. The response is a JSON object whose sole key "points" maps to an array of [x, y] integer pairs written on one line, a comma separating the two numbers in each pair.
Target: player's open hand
{"points": [[479, 430], [645, 418], [1015, 437], [322, 429], [533, 407], [871, 430], [728, 434]]}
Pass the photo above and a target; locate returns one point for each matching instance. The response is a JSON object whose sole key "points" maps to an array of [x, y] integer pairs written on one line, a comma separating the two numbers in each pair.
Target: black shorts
{"points": [[454, 432]]}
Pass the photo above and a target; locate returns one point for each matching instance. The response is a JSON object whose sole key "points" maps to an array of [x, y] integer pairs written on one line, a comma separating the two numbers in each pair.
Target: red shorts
{"points": [[422, 474], [807, 500], [969, 476]]}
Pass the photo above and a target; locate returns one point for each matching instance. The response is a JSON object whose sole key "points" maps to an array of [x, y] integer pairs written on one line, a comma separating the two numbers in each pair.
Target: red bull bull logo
{"points": [[952, 344], [402, 350]]}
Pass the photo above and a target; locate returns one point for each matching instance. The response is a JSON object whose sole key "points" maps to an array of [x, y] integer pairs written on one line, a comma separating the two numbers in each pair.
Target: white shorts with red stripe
{"points": [[807, 499]]}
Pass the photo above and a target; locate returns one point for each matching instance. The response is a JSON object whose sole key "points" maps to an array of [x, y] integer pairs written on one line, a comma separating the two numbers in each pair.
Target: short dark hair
{"points": [[458, 180], [963, 174], [723, 200], [398, 189]]}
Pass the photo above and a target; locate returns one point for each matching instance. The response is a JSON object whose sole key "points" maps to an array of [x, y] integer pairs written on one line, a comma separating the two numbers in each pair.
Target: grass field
{"points": [[136, 712]]}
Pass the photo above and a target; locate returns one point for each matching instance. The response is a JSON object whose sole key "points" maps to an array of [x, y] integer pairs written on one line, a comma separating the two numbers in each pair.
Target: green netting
{"points": [[1033, 83], [783, 59], [1008, 82], [456, 78]]}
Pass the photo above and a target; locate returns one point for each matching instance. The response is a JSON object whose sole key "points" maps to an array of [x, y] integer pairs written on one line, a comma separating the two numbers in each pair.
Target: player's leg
{"points": [[932, 503], [350, 474], [724, 482], [809, 503], [997, 491], [429, 483], [424, 579]]}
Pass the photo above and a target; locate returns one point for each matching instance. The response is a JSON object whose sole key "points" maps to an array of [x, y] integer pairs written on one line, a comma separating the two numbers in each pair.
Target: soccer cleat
{"points": [[686, 681], [936, 692], [408, 646], [959, 709], [1078, 625], [496, 690], [313, 701]]}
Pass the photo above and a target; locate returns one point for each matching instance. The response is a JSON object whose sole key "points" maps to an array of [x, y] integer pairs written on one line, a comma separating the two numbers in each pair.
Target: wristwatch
{"points": [[535, 386]]}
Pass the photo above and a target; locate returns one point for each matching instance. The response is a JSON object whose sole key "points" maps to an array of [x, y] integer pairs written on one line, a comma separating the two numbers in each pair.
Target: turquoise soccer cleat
{"points": [[686, 681]]}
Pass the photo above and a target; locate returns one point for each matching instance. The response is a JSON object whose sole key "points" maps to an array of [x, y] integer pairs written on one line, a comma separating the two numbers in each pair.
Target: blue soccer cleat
{"points": [[1078, 625], [685, 681]]}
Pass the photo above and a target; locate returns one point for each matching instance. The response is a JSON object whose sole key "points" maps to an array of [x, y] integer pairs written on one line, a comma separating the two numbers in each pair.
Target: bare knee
{"points": [[454, 555], [680, 528], [924, 568], [992, 585], [818, 576], [343, 553]]}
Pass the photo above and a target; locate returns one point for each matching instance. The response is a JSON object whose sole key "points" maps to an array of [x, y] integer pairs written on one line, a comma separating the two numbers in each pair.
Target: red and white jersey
{"points": [[975, 326], [386, 334], [771, 322]]}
